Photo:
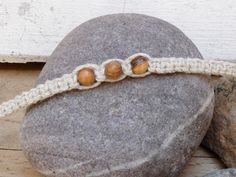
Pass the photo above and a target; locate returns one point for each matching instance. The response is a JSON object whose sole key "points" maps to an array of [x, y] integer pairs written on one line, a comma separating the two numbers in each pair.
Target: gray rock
{"points": [[135, 128], [221, 136], [231, 172]]}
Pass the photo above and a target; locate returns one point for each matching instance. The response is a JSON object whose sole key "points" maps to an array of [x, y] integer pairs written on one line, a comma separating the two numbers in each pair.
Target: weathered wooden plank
{"points": [[14, 80], [22, 59], [36, 27], [14, 164], [17, 78], [199, 166]]}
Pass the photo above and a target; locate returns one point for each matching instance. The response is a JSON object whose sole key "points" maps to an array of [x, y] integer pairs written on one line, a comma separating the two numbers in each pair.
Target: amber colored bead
{"points": [[86, 77], [113, 70], [139, 65]]}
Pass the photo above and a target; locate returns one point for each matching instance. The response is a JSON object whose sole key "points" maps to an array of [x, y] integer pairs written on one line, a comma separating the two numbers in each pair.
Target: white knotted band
{"points": [[156, 65]]}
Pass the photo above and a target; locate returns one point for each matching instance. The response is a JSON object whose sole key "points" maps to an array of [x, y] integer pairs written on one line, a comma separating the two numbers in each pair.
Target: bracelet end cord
{"points": [[113, 70]]}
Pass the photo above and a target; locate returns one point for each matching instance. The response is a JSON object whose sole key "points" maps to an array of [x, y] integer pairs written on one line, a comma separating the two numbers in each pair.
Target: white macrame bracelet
{"points": [[154, 65]]}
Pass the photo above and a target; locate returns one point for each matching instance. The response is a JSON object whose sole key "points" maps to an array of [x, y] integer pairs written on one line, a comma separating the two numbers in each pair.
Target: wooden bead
{"points": [[113, 70], [139, 65], [86, 77]]}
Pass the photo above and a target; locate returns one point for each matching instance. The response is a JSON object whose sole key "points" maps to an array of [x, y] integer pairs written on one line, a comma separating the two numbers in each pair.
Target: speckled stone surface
{"points": [[145, 127], [221, 136], [231, 172]]}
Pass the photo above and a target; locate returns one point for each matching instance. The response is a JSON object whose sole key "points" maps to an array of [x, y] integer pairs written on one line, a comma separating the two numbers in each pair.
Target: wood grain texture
{"points": [[22, 58], [17, 78], [36, 27]]}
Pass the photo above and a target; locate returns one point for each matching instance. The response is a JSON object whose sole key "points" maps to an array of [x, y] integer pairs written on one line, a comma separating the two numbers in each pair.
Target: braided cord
{"points": [[40, 92], [156, 65], [192, 65]]}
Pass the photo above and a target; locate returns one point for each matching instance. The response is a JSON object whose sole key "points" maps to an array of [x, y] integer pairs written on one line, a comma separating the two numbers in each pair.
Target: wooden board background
{"points": [[17, 78], [30, 27]]}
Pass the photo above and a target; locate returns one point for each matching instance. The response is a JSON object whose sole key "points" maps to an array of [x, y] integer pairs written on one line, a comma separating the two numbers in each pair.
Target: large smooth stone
{"points": [[145, 127], [231, 172], [221, 136]]}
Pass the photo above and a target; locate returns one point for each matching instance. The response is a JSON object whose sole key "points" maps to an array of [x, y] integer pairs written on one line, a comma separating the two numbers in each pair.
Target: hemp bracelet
{"points": [[138, 65]]}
